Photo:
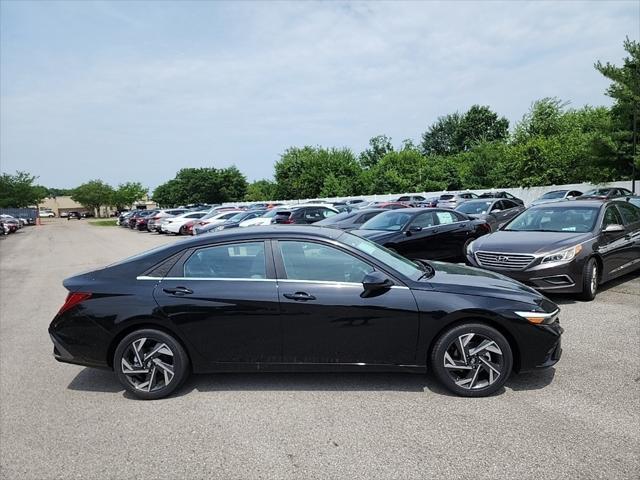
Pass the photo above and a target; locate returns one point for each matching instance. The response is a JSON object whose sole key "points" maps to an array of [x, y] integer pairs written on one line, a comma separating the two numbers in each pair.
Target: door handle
{"points": [[178, 291], [299, 296]]}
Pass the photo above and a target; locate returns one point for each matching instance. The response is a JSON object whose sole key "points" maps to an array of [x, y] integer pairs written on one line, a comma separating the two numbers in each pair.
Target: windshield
{"points": [[569, 219], [393, 260], [597, 191], [475, 208], [392, 221], [558, 194]]}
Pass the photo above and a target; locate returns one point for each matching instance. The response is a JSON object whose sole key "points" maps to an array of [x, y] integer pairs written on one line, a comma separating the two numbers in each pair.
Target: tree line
{"points": [[552, 144]]}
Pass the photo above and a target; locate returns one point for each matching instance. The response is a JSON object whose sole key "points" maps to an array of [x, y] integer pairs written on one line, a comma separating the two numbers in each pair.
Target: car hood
{"points": [[504, 241], [375, 235], [460, 279]]}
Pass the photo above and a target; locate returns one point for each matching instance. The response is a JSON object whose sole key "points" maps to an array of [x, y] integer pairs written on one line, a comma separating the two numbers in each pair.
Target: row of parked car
{"points": [[562, 246], [10, 224]]}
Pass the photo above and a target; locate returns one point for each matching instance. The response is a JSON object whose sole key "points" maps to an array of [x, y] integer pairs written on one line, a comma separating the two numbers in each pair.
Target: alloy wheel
{"points": [[473, 361], [148, 365]]}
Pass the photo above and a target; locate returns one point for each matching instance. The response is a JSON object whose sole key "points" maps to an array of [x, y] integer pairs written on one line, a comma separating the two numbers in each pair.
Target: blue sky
{"points": [[137, 90]]}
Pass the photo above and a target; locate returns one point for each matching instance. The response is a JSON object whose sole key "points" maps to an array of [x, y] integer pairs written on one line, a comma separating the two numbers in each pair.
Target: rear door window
{"points": [[445, 218], [241, 260]]}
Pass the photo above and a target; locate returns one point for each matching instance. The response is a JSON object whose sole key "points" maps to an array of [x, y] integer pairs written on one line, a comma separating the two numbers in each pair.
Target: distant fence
{"points": [[528, 195], [31, 213]]}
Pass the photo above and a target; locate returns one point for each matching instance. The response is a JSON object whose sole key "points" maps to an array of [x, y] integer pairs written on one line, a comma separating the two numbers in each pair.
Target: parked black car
{"points": [[424, 233], [76, 215], [350, 220], [568, 247], [495, 212], [300, 299], [501, 194], [605, 193]]}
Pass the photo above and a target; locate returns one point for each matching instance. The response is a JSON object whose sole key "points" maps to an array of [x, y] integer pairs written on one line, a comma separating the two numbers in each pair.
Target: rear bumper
{"points": [[62, 354]]}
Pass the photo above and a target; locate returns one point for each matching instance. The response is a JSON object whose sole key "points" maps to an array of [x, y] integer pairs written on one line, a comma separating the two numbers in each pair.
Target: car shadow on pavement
{"points": [[94, 380]]}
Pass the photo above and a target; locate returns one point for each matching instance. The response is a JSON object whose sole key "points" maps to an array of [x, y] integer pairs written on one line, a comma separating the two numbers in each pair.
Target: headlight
{"points": [[469, 247], [563, 255], [539, 317]]}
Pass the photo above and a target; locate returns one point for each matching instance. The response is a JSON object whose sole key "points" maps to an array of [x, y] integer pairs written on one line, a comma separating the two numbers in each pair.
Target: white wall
{"points": [[526, 194]]}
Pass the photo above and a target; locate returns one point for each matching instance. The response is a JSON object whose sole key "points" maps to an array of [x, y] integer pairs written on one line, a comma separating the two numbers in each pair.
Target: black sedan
{"points": [[567, 247], [350, 220], [424, 233], [300, 299]]}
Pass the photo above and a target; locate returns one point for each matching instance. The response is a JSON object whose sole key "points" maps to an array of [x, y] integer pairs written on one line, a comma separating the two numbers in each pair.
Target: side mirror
{"points": [[374, 282], [613, 228], [413, 229], [497, 210]]}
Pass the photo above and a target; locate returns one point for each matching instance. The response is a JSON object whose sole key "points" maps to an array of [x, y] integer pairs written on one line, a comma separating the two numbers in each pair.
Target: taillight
{"points": [[72, 300], [288, 220]]}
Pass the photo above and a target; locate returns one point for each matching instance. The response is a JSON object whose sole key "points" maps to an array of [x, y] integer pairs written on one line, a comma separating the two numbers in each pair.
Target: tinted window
{"points": [[313, 261], [403, 199], [446, 217], [474, 208], [497, 206], [368, 216], [507, 204], [446, 197], [569, 219], [611, 217], [240, 260], [391, 221], [424, 220], [624, 191], [630, 213]]}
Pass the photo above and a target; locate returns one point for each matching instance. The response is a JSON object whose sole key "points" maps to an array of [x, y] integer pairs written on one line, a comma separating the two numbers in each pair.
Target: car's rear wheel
{"points": [[472, 360], [150, 364], [590, 279]]}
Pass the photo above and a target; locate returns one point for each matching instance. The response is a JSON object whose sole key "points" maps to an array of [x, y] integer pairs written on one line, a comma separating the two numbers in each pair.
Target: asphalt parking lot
{"points": [[579, 420]]}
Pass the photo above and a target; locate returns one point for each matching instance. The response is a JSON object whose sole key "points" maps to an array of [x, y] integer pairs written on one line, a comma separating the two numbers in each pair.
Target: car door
{"points": [[509, 210], [325, 317], [223, 298], [631, 250], [418, 239], [612, 246], [451, 234]]}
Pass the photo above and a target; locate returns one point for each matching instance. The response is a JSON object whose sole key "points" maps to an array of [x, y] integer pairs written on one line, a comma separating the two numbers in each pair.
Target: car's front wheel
{"points": [[150, 364], [472, 359], [590, 278]]}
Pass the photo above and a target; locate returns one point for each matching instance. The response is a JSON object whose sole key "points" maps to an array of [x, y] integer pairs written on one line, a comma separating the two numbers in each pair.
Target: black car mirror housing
{"points": [[375, 281]]}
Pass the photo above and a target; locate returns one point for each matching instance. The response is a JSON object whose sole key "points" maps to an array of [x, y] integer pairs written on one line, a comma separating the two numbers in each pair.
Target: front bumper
{"points": [[553, 278]]}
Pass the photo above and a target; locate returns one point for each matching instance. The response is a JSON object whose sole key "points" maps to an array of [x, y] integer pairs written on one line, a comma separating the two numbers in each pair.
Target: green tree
{"points": [[625, 90], [301, 172], [261, 190], [480, 124], [93, 195], [19, 190], [379, 146], [441, 137], [202, 185], [127, 194], [59, 192]]}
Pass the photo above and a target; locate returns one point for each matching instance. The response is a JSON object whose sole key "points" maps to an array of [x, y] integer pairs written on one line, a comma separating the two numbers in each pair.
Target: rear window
{"points": [[446, 197]]}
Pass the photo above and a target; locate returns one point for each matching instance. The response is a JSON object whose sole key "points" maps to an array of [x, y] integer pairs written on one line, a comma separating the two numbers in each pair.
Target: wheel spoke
{"points": [[152, 378], [454, 365], [160, 349], [127, 369], [137, 345], [488, 345]]}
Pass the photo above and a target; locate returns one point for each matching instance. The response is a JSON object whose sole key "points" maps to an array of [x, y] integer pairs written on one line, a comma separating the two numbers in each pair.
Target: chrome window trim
{"points": [[284, 280]]}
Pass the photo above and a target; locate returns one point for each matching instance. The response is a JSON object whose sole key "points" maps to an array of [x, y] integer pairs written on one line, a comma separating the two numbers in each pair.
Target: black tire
{"points": [[154, 338], [486, 382], [590, 280]]}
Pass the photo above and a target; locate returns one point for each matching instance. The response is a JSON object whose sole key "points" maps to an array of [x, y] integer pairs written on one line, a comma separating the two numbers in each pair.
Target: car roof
{"points": [[578, 202]]}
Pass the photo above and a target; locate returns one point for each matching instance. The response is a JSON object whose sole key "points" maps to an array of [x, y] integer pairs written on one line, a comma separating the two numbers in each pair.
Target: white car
{"points": [[177, 224], [217, 218], [46, 214], [266, 219]]}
